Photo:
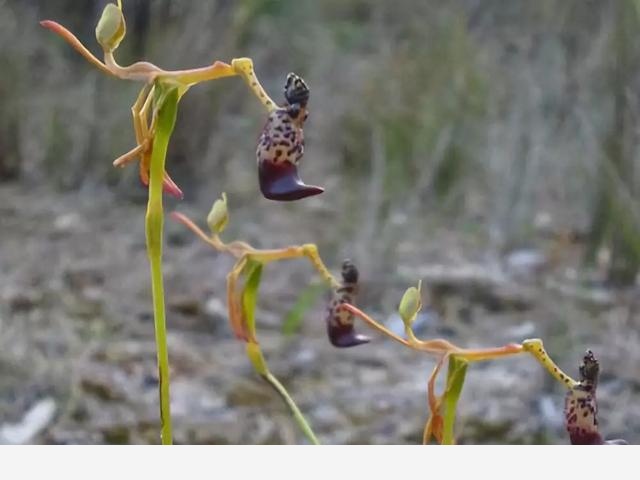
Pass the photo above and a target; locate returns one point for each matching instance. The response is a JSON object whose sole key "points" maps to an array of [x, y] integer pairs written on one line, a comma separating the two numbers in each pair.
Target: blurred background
{"points": [[489, 148]]}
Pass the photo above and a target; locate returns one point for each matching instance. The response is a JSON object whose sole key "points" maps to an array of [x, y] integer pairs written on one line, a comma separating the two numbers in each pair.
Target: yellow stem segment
{"points": [[241, 249], [536, 348], [244, 68]]}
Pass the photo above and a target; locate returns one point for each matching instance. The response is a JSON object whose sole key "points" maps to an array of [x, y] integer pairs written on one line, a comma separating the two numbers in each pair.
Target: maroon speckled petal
{"points": [[344, 336], [282, 182]]}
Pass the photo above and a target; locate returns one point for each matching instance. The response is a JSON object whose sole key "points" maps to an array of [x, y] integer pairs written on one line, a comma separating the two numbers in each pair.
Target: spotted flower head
{"points": [[340, 322], [281, 146]]}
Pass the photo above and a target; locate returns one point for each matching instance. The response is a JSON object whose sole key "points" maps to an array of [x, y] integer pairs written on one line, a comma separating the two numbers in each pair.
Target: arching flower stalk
{"points": [[154, 114]]}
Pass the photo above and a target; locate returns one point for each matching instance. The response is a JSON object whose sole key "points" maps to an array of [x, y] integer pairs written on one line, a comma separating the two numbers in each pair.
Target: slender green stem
{"points": [[154, 230], [154, 237], [297, 414], [260, 365]]}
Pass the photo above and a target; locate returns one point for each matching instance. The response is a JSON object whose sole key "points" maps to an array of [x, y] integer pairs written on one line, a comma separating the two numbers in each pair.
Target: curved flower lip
{"points": [[281, 182], [344, 336]]}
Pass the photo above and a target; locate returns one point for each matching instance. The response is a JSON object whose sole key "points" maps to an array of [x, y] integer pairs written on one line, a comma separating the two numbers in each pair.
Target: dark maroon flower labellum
{"points": [[342, 336], [280, 181], [340, 322]]}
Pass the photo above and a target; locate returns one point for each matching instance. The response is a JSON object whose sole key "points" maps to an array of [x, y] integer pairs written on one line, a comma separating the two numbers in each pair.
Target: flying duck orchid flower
{"points": [[277, 162]]}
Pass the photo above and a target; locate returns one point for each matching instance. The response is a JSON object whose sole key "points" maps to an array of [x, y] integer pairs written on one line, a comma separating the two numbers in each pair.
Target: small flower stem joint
{"points": [[310, 251], [244, 68], [536, 348], [257, 358]]}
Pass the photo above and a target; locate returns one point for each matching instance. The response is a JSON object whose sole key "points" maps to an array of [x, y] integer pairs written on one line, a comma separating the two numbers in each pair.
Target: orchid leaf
{"points": [[253, 274], [166, 99], [455, 380]]}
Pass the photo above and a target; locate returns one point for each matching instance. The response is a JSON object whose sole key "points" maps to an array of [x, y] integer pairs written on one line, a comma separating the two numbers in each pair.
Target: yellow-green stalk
{"points": [[166, 105]]}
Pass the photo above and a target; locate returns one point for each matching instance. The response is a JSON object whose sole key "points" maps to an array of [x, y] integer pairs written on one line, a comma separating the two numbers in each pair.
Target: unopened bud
{"points": [[111, 28], [218, 216], [410, 304]]}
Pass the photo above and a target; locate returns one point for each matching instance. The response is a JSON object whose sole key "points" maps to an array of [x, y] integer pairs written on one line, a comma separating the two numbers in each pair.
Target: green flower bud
{"points": [[111, 28], [218, 216], [410, 304]]}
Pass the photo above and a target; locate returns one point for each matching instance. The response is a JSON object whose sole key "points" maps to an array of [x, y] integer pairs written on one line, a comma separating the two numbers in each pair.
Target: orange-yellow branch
{"points": [[438, 345], [141, 71], [187, 222], [72, 40], [372, 323]]}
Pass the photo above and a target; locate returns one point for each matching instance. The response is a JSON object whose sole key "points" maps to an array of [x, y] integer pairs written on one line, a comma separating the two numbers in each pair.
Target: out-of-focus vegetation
{"points": [[461, 142], [496, 112]]}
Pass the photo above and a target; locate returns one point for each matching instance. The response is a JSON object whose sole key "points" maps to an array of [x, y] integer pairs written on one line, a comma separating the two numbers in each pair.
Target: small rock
{"points": [[372, 376], [68, 224], [358, 415], [247, 393], [105, 383], [194, 398], [184, 304], [21, 300], [215, 309], [303, 360], [80, 276], [525, 263], [36, 419], [116, 435], [72, 437], [326, 417], [88, 304]]}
